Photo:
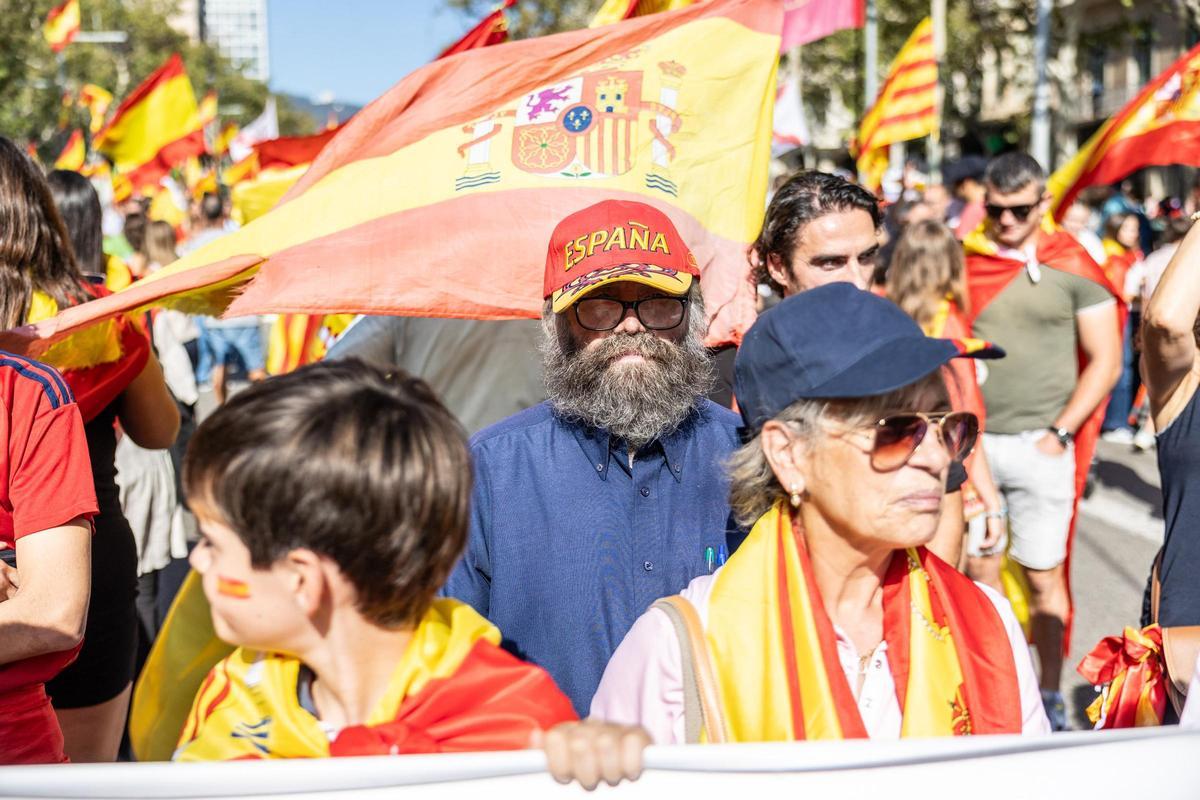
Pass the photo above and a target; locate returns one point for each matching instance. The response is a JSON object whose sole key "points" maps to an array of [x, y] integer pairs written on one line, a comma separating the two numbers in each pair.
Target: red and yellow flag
{"points": [[221, 145], [424, 207], [1158, 127], [492, 29], [73, 153], [906, 107], [96, 100], [618, 10], [206, 111], [155, 127], [61, 25]]}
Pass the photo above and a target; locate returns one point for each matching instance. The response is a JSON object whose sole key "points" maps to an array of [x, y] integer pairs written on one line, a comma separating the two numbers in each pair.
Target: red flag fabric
{"points": [[807, 21], [291, 151], [492, 29]]}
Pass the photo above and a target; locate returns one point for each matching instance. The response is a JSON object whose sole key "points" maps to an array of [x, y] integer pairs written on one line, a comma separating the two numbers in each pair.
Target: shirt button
{"points": [[648, 566], [599, 468], [645, 492]]}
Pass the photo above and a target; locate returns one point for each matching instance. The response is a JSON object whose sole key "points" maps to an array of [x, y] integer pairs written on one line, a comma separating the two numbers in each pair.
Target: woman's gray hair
{"points": [[753, 487]]}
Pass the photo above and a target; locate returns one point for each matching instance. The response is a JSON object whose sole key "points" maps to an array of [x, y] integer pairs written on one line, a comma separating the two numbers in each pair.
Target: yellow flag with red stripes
{"points": [[906, 107], [96, 100]]}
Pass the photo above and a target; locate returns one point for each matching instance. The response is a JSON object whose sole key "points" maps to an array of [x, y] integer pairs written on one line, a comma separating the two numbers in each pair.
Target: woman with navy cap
{"points": [[831, 620]]}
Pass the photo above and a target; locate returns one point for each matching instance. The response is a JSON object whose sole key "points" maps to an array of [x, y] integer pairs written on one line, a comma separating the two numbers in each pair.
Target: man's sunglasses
{"points": [[898, 436], [1020, 212]]}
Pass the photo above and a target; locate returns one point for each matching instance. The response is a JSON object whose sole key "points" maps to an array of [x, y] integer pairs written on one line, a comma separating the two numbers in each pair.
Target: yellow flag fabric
{"points": [[155, 127], [619, 10], [61, 26], [97, 101], [253, 197], [485, 152], [181, 657], [249, 688], [906, 107], [73, 153]]}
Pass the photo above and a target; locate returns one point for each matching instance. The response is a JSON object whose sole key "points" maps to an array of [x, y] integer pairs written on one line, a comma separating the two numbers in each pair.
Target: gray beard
{"points": [[636, 402]]}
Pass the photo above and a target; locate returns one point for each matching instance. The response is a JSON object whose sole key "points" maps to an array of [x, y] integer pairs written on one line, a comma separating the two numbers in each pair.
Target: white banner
{"points": [[1149, 764]]}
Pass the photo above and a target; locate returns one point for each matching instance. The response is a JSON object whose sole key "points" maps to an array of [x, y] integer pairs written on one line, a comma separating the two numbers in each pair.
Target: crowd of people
{"points": [[643, 540]]}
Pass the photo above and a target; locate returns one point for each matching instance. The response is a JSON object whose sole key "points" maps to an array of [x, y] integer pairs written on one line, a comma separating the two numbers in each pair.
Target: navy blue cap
{"points": [[835, 341]]}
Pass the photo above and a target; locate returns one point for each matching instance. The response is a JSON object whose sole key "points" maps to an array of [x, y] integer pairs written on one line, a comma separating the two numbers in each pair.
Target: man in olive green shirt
{"points": [[1037, 397]]}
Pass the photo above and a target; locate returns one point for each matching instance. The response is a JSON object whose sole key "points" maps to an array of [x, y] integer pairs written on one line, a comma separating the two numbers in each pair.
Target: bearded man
{"points": [[612, 493]]}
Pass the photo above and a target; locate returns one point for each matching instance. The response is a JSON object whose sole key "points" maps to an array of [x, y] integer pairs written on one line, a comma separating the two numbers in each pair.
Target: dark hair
{"points": [[1112, 225], [1177, 228], [35, 249], [135, 230], [79, 206], [1013, 171], [212, 208], [364, 467], [806, 196]]}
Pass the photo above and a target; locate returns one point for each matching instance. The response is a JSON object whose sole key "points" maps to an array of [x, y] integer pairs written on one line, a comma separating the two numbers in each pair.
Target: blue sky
{"points": [[355, 49]]}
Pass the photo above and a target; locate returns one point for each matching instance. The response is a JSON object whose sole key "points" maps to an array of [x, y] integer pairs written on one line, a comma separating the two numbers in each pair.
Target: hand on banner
{"points": [[593, 750]]}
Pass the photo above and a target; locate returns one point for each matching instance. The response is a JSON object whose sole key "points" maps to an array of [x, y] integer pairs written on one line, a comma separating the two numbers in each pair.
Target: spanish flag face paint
{"points": [[230, 587]]}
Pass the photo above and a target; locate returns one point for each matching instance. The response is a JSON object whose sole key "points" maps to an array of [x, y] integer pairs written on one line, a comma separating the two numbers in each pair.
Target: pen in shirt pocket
{"points": [[710, 559]]}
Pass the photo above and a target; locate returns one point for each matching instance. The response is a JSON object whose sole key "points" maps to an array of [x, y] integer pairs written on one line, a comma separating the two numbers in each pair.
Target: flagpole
{"points": [[1039, 132], [939, 52], [870, 55]]}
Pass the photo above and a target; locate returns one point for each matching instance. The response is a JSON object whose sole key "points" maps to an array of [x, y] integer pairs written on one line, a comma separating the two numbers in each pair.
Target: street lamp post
{"points": [[1039, 132]]}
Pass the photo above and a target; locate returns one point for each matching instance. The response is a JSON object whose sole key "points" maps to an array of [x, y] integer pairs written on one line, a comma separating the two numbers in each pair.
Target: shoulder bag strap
{"points": [[701, 704]]}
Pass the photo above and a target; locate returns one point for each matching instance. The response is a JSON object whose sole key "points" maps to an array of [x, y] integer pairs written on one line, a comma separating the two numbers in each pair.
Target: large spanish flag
{"points": [[906, 107], [618, 10], [61, 25], [438, 199], [1160, 126], [155, 127], [492, 29]]}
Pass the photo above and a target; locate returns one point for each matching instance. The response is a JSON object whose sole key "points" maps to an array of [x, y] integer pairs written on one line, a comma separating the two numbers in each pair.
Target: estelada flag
{"points": [[61, 25], [439, 198], [906, 107], [1161, 126], [73, 153], [155, 127], [492, 29], [989, 272]]}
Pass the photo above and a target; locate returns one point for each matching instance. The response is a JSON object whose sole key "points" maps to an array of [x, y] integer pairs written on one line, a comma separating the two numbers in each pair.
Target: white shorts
{"points": [[1039, 491]]}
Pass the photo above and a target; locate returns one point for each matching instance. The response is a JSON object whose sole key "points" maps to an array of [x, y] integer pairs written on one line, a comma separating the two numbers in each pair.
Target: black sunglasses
{"points": [[1020, 212]]}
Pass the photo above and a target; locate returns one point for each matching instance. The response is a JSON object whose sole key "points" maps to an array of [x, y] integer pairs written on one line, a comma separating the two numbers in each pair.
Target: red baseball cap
{"points": [[616, 240]]}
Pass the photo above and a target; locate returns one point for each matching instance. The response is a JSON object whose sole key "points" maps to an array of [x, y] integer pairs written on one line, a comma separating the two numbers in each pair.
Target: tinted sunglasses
{"points": [[898, 436], [1020, 212]]}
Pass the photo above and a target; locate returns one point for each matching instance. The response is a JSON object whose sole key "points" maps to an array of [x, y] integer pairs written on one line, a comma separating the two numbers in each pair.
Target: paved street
{"points": [[1119, 533]]}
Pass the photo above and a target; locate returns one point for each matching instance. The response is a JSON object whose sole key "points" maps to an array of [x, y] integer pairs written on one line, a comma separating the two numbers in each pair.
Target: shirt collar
{"points": [[598, 445]]}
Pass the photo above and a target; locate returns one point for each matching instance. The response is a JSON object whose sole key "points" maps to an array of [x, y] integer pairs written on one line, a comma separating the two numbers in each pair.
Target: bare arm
{"points": [[1100, 340], [147, 412], [46, 613], [1168, 343]]}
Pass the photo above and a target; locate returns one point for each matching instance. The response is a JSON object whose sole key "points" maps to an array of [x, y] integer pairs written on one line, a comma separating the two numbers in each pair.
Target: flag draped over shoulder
{"points": [[989, 273], [155, 127], [905, 108], [438, 198], [1160, 126], [492, 29], [61, 26]]}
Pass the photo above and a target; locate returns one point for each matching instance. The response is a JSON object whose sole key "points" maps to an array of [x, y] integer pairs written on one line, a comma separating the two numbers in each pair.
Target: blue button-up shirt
{"points": [[569, 544]]}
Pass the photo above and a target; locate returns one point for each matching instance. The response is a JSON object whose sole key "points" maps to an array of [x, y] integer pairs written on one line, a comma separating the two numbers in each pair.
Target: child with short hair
{"points": [[333, 503]]}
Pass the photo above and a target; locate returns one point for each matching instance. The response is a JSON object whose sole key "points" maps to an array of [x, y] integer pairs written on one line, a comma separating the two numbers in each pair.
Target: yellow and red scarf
{"points": [[775, 651], [454, 690]]}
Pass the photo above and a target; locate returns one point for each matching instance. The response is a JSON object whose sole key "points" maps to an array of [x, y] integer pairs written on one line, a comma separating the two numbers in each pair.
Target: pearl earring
{"points": [[795, 496]]}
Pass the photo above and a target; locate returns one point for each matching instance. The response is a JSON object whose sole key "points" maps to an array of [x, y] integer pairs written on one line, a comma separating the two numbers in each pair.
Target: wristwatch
{"points": [[1064, 436]]}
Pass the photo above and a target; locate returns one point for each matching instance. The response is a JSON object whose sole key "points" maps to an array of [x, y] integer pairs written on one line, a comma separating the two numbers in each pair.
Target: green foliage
{"points": [[32, 83]]}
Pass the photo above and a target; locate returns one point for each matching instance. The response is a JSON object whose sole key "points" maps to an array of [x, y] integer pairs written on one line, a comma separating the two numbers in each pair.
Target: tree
{"points": [[530, 18], [33, 80]]}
